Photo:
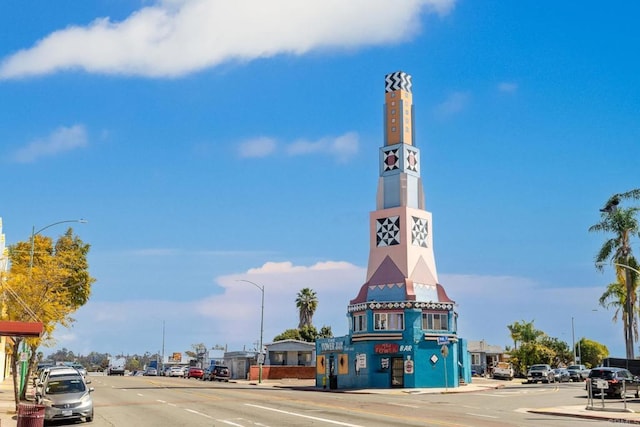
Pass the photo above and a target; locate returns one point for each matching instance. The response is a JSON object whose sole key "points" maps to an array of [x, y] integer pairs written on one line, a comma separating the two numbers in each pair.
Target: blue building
{"points": [[402, 324]]}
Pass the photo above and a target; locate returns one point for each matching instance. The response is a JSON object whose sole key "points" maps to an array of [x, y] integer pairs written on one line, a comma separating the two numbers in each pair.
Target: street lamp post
{"points": [[34, 233], [260, 355], [573, 340]]}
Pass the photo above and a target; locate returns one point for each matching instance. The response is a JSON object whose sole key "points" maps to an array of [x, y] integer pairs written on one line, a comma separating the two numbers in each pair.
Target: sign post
{"points": [[444, 350]]}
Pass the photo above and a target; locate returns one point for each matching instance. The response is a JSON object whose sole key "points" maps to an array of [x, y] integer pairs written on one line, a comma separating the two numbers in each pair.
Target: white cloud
{"points": [[257, 147], [485, 304], [231, 317], [60, 140], [343, 148], [176, 37], [507, 87], [455, 103]]}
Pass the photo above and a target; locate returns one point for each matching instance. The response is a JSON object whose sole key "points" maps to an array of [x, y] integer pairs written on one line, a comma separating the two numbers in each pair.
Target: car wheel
{"points": [[89, 418]]}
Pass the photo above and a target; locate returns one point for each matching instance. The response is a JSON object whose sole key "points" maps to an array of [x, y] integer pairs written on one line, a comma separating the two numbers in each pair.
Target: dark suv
{"points": [[617, 380], [221, 373]]}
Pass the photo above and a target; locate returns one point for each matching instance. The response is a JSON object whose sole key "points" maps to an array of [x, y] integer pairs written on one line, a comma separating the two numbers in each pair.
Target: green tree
{"points": [[325, 332], [562, 354], [309, 333], [592, 353], [307, 303], [530, 351], [289, 334], [622, 224], [46, 284], [523, 332], [615, 297]]}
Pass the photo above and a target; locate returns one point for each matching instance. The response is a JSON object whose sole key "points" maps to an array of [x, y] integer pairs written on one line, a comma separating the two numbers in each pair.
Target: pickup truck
{"points": [[540, 373], [503, 370], [578, 372]]}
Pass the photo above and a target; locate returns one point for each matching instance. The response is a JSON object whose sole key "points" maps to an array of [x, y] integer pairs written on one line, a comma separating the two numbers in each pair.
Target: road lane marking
{"points": [[198, 413], [404, 405], [326, 420], [140, 394], [481, 415]]}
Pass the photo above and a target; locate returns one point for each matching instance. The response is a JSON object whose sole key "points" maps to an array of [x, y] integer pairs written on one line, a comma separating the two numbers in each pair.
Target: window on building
{"points": [[359, 322], [435, 321], [475, 359], [388, 321]]}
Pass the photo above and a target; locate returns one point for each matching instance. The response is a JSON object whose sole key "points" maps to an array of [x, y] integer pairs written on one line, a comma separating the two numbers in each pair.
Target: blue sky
{"points": [[209, 141]]}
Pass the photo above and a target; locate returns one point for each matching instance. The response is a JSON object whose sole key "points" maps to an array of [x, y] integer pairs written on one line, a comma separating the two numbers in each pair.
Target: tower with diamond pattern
{"points": [[402, 319]]}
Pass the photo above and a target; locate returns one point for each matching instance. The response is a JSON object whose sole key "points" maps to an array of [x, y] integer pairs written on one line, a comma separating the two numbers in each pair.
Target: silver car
{"points": [[54, 371], [66, 398]]}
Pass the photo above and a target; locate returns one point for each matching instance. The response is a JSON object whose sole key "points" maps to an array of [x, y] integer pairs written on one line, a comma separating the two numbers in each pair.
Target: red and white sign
{"points": [[386, 348]]}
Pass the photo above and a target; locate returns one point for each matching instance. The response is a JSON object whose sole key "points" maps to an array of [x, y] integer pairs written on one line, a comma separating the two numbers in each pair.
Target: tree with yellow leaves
{"points": [[46, 283]]}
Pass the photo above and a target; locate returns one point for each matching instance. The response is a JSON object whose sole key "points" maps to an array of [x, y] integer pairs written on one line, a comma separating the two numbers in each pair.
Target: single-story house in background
{"points": [[484, 356]]}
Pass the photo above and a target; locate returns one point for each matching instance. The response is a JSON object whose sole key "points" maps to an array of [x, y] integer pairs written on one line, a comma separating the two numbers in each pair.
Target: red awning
{"points": [[21, 329]]}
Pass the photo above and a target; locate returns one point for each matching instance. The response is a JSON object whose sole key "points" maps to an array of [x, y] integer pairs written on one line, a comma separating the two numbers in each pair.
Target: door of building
{"points": [[397, 372]]}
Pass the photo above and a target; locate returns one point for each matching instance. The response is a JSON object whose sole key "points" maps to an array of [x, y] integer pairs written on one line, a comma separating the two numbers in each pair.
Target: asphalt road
{"points": [[160, 401]]}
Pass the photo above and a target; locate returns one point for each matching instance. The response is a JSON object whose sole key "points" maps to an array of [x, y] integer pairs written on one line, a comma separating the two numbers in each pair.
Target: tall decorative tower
{"points": [[401, 262], [402, 324]]}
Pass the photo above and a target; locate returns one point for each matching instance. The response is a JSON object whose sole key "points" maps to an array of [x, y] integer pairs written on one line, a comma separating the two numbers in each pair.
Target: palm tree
{"points": [[307, 303], [523, 332], [623, 224], [615, 296]]}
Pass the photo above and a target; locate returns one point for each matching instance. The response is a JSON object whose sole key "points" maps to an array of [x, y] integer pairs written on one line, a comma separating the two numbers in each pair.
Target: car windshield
{"points": [[538, 368], [65, 386]]}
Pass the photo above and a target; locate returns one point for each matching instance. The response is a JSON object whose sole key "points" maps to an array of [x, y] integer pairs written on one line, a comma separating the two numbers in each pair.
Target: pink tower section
{"points": [[401, 260]]}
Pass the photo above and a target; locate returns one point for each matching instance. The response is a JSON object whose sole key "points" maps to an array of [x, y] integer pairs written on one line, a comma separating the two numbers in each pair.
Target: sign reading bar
{"points": [[386, 348], [331, 345], [443, 340]]}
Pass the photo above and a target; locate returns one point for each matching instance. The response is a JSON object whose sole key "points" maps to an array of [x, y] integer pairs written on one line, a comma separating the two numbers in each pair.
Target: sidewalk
{"points": [[7, 404]]}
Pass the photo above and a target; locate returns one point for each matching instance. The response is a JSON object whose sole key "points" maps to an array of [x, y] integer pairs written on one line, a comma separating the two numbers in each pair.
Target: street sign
{"points": [[444, 351], [443, 340]]}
